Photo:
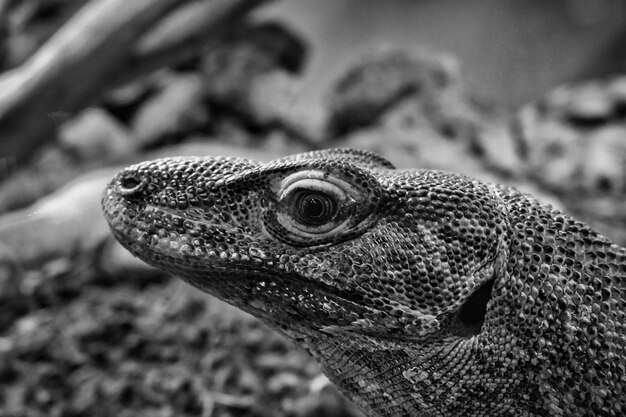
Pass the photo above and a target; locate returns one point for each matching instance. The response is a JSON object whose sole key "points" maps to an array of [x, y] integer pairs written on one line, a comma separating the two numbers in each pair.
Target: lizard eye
{"points": [[312, 206]]}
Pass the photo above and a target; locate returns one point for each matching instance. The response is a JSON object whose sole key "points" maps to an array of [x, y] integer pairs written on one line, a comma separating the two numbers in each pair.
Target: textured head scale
{"points": [[316, 240]]}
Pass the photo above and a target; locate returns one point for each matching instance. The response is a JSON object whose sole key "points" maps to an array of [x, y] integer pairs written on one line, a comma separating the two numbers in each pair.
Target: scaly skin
{"points": [[421, 293]]}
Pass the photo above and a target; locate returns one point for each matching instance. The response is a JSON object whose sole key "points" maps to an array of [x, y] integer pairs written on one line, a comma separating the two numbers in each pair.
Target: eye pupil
{"points": [[315, 208]]}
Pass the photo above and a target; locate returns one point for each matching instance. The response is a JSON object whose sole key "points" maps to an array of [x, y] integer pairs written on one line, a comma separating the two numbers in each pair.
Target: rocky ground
{"points": [[87, 330]]}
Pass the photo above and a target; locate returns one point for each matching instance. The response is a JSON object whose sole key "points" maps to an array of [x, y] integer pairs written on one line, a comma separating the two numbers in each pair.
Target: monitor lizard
{"points": [[421, 293]]}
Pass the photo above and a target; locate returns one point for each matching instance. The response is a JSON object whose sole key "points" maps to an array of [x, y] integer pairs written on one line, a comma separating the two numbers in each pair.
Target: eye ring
{"points": [[348, 200], [314, 206]]}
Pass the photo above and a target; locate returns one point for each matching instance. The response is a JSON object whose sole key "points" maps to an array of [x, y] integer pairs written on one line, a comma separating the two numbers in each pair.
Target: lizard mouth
{"points": [[204, 253], [248, 280], [260, 290]]}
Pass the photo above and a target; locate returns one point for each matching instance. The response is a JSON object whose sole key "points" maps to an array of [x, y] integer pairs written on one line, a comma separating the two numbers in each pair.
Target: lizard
{"points": [[420, 292]]}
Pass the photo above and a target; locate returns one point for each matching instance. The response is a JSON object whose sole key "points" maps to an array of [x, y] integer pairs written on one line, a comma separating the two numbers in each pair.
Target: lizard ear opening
{"points": [[471, 316]]}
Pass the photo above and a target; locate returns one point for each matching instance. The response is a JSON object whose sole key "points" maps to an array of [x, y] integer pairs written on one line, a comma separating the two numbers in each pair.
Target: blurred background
{"points": [[528, 93], [511, 51]]}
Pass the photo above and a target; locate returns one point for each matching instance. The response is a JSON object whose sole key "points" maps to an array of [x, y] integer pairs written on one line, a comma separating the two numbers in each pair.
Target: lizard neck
{"points": [[413, 379]]}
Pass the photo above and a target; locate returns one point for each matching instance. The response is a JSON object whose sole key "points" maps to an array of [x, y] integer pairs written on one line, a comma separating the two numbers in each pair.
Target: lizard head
{"points": [[334, 241]]}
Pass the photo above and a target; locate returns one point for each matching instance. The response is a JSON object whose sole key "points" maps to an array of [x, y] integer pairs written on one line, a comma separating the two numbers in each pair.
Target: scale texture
{"points": [[421, 293]]}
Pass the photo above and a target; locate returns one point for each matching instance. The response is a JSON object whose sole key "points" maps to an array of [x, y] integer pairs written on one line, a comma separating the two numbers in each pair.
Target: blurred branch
{"points": [[108, 42], [186, 31]]}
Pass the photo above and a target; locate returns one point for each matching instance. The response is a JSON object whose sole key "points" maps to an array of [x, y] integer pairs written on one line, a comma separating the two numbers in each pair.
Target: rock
{"points": [[67, 222], [617, 89], [575, 139], [590, 104], [405, 137], [604, 167], [381, 79], [497, 147], [94, 134], [573, 143], [419, 95], [172, 113], [124, 102], [118, 263], [52, 169], [253, 74], [90, 140]]}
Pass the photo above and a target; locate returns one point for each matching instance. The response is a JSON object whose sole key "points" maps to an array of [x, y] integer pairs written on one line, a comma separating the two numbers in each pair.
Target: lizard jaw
{"points": [[249, 282], [246, 280]]}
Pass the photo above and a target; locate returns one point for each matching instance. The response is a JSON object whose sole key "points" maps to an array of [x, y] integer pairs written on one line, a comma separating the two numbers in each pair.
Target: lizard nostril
{"points": [[130, 184]]}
